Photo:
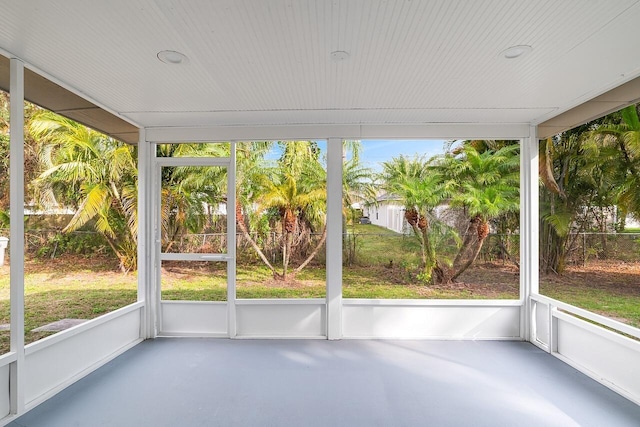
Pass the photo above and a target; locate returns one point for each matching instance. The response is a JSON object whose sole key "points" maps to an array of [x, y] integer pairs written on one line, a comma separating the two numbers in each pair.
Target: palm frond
{"points": [[96, 198]]}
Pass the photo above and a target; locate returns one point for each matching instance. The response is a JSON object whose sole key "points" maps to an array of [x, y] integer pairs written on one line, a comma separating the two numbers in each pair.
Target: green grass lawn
{"points": [[380, 246], [81, 292], [84, 288], [607, 302]]}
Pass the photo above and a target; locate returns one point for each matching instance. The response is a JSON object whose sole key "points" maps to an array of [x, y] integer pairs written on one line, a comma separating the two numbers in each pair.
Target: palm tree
{"points": [[292, 202], [421, 189], [189, 192], [94, 174], [485, 185], [250, 172], [300, 177], [293, 188], [421, 196], [31, 157], [581, 174], [624, 138], [398, 171]]}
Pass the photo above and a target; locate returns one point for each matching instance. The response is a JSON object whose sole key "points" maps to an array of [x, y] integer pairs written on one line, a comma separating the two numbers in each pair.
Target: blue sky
{"points": [[375, 151]]}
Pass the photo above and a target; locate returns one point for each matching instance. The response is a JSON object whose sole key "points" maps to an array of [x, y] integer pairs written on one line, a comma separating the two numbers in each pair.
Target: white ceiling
{"points": [[258, 62]]}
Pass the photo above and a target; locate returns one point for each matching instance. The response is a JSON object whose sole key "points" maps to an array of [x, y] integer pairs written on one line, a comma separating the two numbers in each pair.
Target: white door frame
{"points": [[229, 257]]}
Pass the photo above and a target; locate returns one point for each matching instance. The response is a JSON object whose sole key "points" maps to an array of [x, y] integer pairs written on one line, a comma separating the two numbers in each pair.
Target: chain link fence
{"points": [[589, 247], [583, 247], [501, 248], [52, 243]]}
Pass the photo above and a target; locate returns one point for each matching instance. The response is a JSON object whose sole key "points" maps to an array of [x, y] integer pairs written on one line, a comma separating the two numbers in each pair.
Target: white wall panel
{"points": [[606, 356], [406, 320], [194, 318], [4, 391], [542, 323], [54, 364], [281, 318]]}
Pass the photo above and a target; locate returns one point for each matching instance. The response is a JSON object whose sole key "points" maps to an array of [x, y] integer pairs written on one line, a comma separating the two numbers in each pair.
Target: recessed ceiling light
{"points": [[339, 55], [172, 57], [516, 51]]}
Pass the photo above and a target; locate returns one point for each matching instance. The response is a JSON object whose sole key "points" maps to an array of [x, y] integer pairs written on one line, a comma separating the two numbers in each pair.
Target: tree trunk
{"points": [[121, 257], [461, 269], [482, 231], [420, 227], [428, 255], [314, 252], [418, 234], [552, 250], [286, 249], [245, 233], [289, 225], [470, 236], [507, 253], [411, 215], [468, 252], [439, 273]]}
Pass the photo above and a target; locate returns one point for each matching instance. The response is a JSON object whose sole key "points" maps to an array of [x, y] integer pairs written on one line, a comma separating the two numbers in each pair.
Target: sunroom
{"points": [[157, 73]]}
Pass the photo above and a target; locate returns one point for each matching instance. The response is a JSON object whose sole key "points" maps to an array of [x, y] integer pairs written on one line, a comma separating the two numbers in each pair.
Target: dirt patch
{"points": [[191, 270], [489, 280], [73, 263], [619, 278], [282, 284]]}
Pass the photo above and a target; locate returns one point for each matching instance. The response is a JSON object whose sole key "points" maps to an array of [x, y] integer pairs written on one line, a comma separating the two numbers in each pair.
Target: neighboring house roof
{"points": [[388, 197]]}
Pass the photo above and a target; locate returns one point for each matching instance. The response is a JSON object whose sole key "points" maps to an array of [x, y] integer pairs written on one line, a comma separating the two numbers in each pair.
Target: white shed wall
{"points": [[388, 215]]}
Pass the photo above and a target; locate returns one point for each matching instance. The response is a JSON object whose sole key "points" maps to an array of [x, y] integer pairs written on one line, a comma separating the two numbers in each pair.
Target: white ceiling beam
{"points": [[426, 131]]}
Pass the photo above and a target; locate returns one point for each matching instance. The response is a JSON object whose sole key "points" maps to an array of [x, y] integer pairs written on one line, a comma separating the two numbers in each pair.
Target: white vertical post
{"points": [[529, 229], [231, 241], [154, 292], [16, 236], [334, 238], [553, 330], [552, 333], [145, 239]]}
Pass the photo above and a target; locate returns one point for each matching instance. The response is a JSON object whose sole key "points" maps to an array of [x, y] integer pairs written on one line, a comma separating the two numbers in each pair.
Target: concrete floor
{"points": [[219, 382]]}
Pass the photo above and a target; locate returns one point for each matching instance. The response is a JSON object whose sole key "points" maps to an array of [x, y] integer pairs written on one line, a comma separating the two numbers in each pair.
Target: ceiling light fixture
{"points": [[516, 51], [339, 55], [172, 57]]}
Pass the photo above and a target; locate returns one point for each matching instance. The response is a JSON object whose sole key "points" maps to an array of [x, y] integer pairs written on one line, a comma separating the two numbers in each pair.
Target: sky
{"points": [[375, 151]]}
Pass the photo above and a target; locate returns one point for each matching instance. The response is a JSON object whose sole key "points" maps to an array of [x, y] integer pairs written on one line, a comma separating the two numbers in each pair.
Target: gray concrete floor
{"points": [[219, 382]]}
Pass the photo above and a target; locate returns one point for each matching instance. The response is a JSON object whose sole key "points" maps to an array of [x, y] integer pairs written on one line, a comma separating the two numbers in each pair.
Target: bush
{"points": [[52, 244]]}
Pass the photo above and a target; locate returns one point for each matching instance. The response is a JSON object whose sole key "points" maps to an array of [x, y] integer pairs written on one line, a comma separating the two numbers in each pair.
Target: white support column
{"points": [[334, 238], [145, 239], [154, 291], [529, 228], [231, 241], [16, 237]]}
